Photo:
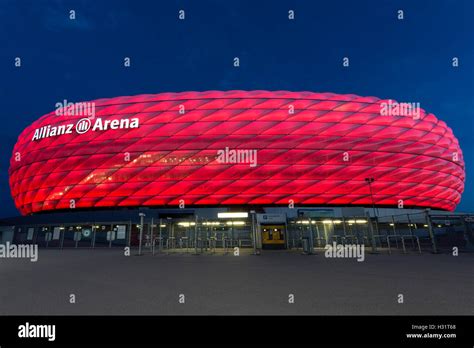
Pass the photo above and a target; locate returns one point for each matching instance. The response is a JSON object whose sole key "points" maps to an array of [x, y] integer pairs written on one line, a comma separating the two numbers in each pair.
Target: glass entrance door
{"points": [[273, 236]]}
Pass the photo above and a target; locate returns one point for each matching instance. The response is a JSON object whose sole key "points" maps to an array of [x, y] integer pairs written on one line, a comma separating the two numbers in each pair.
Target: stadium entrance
{"points": [[218, 230], [273, 237]]}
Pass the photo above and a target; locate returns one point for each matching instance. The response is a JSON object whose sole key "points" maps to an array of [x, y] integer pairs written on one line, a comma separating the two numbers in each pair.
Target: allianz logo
{"points": [[83, 126]]}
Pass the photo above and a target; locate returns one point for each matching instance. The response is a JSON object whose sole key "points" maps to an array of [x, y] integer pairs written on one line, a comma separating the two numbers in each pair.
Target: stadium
{"points": [[261, 169]]}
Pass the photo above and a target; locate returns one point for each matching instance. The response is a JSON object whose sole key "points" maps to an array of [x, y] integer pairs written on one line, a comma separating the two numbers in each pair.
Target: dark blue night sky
{"points": [[82, 59]]}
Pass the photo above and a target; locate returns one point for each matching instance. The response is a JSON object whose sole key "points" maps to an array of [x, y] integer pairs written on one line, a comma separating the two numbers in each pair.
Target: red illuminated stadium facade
{"points": [[163, 150]]}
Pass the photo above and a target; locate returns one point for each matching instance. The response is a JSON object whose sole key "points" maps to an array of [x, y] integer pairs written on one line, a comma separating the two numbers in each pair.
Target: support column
{"points": [[195, 235], [430, 230], [372, 238], [141, 233], [152, 244], [311, 236]]}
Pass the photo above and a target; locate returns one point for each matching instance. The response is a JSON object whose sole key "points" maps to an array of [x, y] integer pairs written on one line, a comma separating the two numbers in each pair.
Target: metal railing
{"points": [[402, 238]]}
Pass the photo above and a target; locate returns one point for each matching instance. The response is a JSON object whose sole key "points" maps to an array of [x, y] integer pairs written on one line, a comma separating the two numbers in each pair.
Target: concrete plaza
{"points": [[107, 282]]}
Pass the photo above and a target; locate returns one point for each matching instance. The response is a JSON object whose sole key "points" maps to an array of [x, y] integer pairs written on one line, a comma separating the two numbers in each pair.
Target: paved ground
{"points": [[107, 282]]}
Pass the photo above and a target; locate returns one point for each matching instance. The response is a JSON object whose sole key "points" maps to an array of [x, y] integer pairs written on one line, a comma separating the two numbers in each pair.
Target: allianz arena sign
{"points": [[83, 126]]}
